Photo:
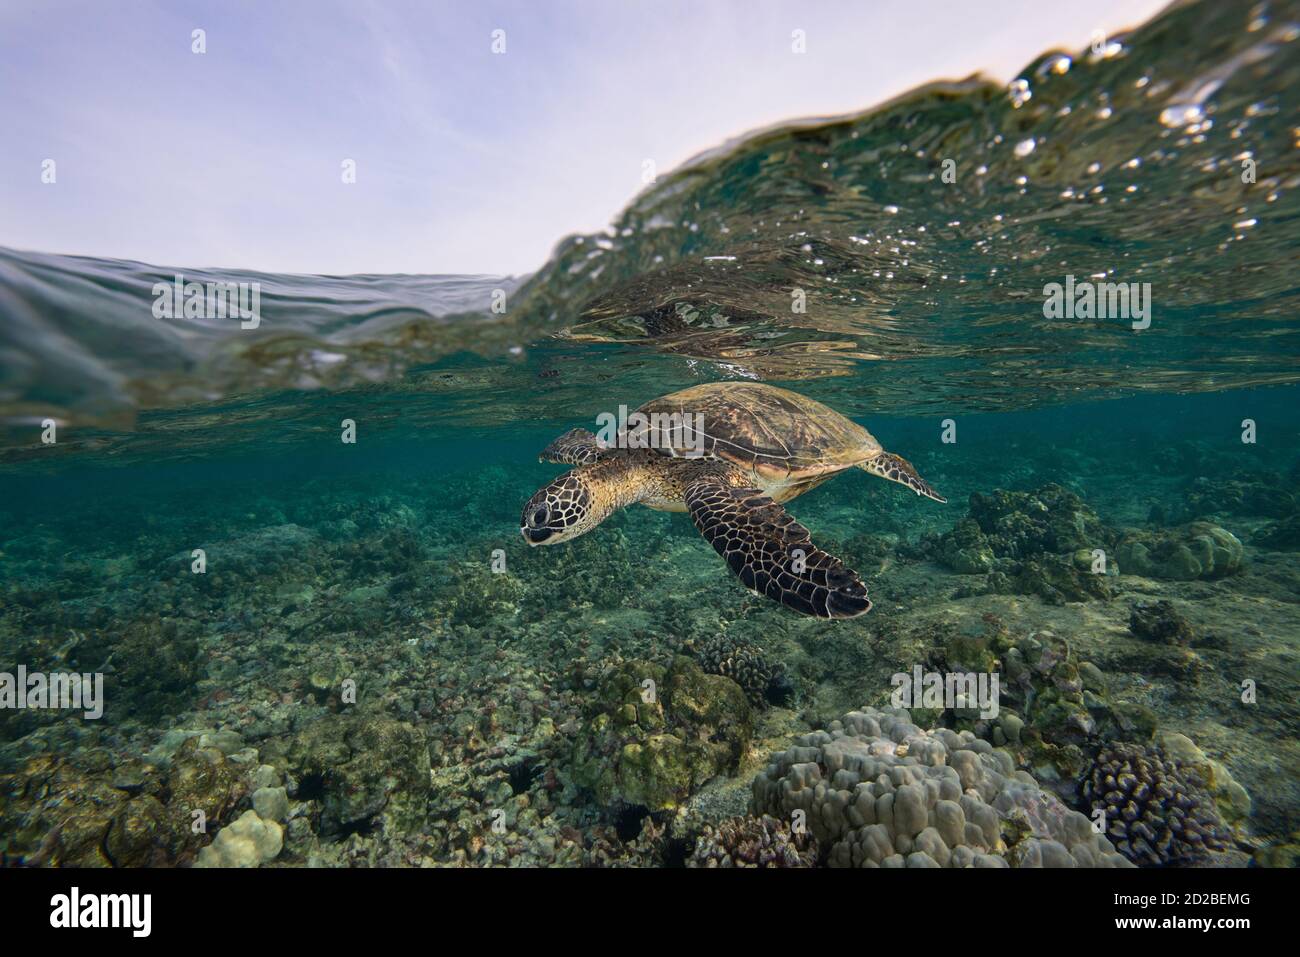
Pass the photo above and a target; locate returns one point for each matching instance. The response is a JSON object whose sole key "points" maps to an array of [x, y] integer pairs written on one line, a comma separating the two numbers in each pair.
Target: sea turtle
{"points": [[728, 453]]}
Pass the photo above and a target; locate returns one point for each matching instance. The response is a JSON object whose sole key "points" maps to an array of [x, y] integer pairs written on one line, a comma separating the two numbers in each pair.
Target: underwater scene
{"points": [[960, 526]]}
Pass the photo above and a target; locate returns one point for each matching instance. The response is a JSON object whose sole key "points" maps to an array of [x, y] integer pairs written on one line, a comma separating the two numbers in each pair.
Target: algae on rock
{"points": [[363, 769], [1197, 550], [656, 734]]}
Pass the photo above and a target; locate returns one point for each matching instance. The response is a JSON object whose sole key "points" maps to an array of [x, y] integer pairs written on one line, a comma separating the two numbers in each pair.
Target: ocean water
{"points": [[345, 651]]}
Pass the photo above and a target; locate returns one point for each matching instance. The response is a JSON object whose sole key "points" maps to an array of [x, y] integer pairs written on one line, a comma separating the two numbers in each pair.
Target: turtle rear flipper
{"points": [[898, 469], [575, 447], [772, 553]]}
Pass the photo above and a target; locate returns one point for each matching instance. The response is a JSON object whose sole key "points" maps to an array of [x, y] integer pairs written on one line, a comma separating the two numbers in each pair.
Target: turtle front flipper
{"points": [[771, 552], [575, 447], [898, 469]]}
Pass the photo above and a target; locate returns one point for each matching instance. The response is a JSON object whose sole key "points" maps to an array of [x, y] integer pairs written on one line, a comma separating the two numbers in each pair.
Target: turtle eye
{"points": [[537, 517]]}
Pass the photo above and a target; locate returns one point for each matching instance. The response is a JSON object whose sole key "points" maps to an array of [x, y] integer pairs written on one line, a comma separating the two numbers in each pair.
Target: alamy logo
{"points": [[952, 691], [681, 433], [179, 299], [1098, 300], [102, 910], [67, 690]]}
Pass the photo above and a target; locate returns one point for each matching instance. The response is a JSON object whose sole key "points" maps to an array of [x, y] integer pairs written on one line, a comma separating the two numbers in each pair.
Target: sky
{"points": [[466, 160]]}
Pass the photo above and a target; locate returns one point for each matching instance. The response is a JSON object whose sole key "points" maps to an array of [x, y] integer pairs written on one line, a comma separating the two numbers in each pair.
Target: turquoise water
{"points": [[370, 632]]}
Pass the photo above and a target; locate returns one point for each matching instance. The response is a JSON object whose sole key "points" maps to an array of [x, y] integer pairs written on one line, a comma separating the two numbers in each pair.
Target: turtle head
{"points": [[558, 512]]}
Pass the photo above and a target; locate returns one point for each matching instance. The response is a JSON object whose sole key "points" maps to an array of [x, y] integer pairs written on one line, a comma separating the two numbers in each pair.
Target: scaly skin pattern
{"points": [[575, 447], [581, 499], [897, 469], [762, 446], [771, 553]]}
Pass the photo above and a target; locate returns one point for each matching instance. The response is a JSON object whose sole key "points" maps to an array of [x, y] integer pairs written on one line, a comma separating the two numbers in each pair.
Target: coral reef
{"points": [[271, 803], [473, 596], [655, 733], [1283, 535], [1286, 854], [1231, 801], [753, 842], [500, 717], [965, 549], [248, 842], [591, 571], [90, 811], [1052, 706], [1157, 812], [1055, 578], [744, 663], [1051, 520], [150, 670], [1196, 550], [1160, 621], [1051, 544], [1264, 494], [362, 770], [1040, 543], [877, 791]]}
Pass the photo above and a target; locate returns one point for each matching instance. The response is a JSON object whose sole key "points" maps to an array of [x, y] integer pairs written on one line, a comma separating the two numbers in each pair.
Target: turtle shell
{"points": [[776, 433]]}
